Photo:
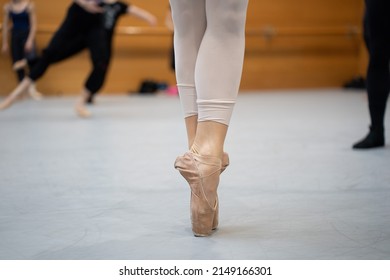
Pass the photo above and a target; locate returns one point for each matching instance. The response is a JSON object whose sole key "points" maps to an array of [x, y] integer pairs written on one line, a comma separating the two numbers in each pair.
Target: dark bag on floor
{"points": [[148, 86]]}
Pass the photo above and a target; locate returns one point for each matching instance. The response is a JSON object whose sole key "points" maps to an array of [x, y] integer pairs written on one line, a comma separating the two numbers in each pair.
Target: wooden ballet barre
{"points": [[133, 30], [120, 30], [267, 31], [271, 31]]}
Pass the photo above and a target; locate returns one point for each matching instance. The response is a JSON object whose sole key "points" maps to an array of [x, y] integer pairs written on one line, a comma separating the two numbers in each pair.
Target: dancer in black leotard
{"points": [[90, 25], [377, 38], [21, 14]]}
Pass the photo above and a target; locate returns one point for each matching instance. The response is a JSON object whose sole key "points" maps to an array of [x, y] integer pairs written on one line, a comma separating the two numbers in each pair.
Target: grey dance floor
{"points": [[105, 188]]}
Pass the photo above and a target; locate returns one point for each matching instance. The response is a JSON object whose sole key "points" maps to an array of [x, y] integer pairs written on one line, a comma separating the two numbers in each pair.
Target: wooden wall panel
{"points": [[290, 44]]}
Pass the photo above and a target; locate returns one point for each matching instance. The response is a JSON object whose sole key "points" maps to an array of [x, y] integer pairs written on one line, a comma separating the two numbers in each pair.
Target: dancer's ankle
{"points": [[207, 149]]}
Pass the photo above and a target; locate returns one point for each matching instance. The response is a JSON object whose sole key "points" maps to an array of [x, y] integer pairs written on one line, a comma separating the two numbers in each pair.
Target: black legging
{"points": [[377, 38], [18, 42], [79, 30]]}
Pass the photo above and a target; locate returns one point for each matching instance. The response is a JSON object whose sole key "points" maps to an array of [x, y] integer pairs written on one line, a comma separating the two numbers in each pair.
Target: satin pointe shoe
{"points": [[225, 164], [202, 174]]}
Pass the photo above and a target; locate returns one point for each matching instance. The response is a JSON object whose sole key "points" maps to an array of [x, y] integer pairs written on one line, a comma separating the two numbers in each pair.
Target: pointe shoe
{"points": [[202, 174], [216, 215]]}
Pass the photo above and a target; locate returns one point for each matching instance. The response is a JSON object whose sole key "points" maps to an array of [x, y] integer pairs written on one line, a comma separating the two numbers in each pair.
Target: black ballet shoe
{"points": [[374, 139]]}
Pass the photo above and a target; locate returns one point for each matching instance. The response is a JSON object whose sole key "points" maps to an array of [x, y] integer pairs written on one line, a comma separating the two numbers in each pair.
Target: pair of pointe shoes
{"points": [[202, 174]]}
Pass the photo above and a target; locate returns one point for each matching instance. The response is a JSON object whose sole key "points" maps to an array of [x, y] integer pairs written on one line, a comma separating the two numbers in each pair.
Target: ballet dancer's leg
{"points": [[101, 52], [18, 58], [190, 25], [79, 107], [18, 40], [217, 77], [218, 72], [20, 89], [98, 46], [32, 59]]}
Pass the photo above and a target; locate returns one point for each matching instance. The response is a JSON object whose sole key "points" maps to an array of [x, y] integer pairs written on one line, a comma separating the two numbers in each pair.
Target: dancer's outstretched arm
{"points": [[142, 14], [89, 6]]}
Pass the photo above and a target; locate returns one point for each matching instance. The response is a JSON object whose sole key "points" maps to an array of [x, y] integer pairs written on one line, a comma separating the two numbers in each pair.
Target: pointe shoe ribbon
{"points": [[225, 163], [202, 174]]}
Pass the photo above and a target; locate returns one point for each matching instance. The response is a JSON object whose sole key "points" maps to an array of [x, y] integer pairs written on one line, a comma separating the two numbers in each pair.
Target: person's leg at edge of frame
{"points": [[377, 37]]}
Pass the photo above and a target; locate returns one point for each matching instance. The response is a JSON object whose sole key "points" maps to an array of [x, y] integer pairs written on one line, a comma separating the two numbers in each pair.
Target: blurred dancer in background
{"points": [[87, 25], [21, 14]]}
